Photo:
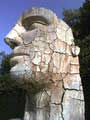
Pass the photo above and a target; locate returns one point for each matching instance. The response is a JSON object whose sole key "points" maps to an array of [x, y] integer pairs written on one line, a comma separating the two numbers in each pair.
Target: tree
{"points": [[6, 84], [85, 19], [79, 21], [5, 64], [72, 18]]}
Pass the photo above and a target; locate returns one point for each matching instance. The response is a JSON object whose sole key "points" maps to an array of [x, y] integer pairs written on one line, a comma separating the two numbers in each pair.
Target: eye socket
{"points": [[28, 22], [37, 25]]}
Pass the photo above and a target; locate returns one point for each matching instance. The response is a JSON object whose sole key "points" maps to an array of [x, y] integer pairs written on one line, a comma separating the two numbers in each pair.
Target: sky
{"points": [[10, 11]]}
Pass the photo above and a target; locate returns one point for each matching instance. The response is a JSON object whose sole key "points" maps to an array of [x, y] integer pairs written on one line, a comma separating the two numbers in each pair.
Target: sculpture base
{"points": [[55, 103]]}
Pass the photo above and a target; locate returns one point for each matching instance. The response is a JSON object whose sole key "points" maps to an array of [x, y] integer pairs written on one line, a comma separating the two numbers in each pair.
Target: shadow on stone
{"points": [[12, 105]]}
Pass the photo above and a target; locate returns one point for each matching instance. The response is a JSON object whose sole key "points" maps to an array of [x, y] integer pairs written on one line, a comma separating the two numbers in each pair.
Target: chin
{"points": [[20, 72]]}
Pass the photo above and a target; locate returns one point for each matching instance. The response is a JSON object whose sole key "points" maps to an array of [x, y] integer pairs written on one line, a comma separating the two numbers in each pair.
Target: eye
{"points": [[33, 22], [36, 25]]}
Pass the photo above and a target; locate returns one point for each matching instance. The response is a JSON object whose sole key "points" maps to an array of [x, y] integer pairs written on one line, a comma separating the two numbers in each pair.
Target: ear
{"points": [[75, 50]]}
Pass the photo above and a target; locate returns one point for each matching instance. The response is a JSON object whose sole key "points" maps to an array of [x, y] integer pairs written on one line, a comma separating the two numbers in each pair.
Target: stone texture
{"points": [[72, 102], [55, 113], [69, 37], [56, 93], [45, 63], [60, 46], [74, 69], [75, 50], [42, 99], [46, 58], [72, 81], [37, 58], [61, 34]]}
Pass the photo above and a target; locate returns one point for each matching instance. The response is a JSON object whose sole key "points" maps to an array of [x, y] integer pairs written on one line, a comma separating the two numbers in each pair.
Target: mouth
{"points": [[19, 54], [18, 58]]}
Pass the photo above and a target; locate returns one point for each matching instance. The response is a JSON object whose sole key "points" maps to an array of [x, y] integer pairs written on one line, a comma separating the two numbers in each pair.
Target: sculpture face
{"points": [[42, 47], [24, 51], [44, 53]]}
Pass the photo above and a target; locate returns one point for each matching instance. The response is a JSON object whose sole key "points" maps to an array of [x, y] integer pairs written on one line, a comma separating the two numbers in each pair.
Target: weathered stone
{"points": [[56, 93], [44, 67], [74, 69], [60, 46], [15, 33], [46, 58], [51, 28], [41, 46], [45, 63], [72, 81], [75, 60], [42, 100], [68, 50], [43, 77], [69, 37], [63, 25], [55, 113], [56, 58], [73, 105], [37, 69], [37, 59], [51, 37], [19, 29], [56, 76], [42, 114], [60, 34], [65, 65], [75, 50], [29, 36], [50, 69]]}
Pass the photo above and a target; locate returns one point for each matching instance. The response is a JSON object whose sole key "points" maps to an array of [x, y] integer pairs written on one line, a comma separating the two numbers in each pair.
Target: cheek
{"points": [[29, 36], [21, 71]]}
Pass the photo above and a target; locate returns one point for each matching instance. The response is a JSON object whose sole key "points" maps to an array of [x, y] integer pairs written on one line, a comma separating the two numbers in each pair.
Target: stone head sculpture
{"points": [[44, 53]]}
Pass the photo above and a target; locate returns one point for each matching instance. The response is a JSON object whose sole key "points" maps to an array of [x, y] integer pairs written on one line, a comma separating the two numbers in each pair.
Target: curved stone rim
{"points": [[39, 14]]}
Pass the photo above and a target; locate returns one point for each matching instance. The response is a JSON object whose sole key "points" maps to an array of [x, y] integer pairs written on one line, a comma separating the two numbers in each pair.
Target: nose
{"points": [[14, 38], [13, 42]]}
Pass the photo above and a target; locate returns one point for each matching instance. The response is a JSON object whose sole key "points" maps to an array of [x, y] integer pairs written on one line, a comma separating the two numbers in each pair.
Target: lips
{"points": [[18, 58], [19, 54]]}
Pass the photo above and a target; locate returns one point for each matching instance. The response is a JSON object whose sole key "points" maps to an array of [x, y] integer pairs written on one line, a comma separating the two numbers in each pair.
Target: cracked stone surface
{"points": [[45, 63]]}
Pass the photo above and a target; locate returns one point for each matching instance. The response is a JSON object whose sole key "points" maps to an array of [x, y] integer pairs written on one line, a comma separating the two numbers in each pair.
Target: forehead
{"points": [[39, 15], [44, 17]]}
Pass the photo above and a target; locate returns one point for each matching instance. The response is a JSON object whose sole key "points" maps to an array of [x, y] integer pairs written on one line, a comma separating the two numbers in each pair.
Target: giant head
{"points": [[44, 54], [43, 48]]}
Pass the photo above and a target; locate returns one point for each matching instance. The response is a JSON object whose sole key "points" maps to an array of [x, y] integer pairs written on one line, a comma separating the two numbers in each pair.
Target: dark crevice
{"points": [[78, 99], [56, 103], [62, 100], [71, 89]]}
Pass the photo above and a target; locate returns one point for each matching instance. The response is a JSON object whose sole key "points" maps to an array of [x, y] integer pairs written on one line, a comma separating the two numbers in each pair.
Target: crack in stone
{"points": [[62, 100], [62, 105], [56, 103], [78, 99], [71, 89], [56, 42]]}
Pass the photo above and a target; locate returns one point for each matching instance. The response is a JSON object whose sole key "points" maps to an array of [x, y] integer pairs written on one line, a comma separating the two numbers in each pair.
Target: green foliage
{"points": [[79, 21], [72, 18], [5, 64], [6, 84], [85, 19], [84, 55]]}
